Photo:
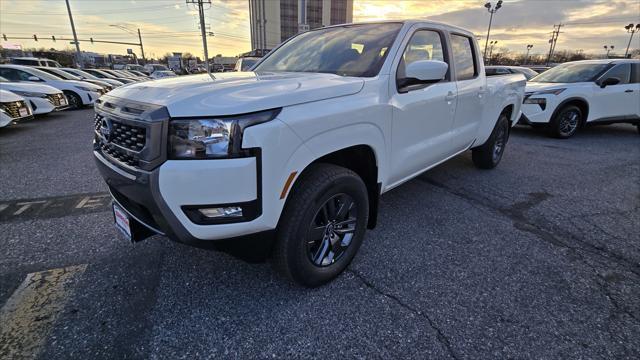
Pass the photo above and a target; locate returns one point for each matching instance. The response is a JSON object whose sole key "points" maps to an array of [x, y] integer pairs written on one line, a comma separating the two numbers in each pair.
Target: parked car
{"points": [[135, 67], [140, 74], [13, 107], [507, 70], [578, 93], [78, 93], [66, 76], [32, 61], [100, 73], [159, 74], [539, 68], [150, 68], [43, 99], [87, 76], [300, 150], [245, 63], [122, 75]]}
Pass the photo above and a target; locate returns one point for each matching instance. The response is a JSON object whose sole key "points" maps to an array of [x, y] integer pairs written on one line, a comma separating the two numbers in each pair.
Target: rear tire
{"points": [[566, 122], [75, 102], [490, 153], [322, 225]]}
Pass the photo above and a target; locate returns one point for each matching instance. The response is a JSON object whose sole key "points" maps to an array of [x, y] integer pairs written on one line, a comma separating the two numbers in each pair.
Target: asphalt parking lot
{"points": [[539, 258]]}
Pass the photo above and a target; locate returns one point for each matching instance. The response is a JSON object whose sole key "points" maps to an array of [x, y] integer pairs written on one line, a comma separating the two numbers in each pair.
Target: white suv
{"points": [[577, 93]]}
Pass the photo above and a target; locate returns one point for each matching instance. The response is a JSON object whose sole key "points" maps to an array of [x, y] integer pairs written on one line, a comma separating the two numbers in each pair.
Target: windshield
{"points": [[571, 73], [248, 63], [63, 74], [41, 74], [350, 50], [81, 73]]}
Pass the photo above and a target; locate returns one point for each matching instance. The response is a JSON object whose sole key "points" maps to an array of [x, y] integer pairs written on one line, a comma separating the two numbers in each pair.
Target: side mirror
{"points": [[33, 78], [427, 70], [609, 81]]}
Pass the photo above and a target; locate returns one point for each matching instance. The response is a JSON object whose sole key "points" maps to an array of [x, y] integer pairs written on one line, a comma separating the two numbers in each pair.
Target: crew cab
{"points": [[580, 93], [291, 158]]}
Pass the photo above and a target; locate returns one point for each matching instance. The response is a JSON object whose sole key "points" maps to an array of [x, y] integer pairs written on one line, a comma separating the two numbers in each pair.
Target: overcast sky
{"points": [[171, 25]]}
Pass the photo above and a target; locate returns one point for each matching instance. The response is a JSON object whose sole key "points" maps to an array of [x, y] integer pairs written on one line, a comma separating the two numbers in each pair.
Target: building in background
{"points": [[274, 21]]}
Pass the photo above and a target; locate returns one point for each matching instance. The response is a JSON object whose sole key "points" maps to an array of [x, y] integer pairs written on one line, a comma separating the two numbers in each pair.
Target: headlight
{"points": [[552, 91], [29, 94], [86, 88], [212, 137]]}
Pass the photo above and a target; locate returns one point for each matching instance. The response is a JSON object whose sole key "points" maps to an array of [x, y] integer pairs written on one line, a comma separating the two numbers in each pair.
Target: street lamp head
{"points": [[612, 47], [637, 26], [499, 4], [488, 5], [605, 47], [628, 27]]}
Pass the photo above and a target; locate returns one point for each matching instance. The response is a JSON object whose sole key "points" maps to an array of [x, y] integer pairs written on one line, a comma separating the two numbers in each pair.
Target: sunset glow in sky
{"points": [[171, 25]]}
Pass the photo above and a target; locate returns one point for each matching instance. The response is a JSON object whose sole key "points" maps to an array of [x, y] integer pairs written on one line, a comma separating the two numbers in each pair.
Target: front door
{"points": [[422, 113]]}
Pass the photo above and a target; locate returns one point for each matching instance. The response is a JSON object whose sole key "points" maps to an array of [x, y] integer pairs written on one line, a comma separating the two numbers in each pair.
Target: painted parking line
{"points": [[53, 207], [29, 314]]}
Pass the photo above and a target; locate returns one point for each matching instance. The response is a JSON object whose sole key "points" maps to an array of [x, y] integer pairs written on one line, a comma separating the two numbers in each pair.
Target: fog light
{"points": [[222, 212]]}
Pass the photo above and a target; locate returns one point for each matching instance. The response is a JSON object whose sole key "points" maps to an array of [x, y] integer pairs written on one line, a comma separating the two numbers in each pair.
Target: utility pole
{"points": [[203, 30], [553, 41], [144, 59], [79, 62], [492, 11]]}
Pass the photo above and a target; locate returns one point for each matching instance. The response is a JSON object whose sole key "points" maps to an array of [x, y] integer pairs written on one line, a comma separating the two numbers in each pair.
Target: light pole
{"points": [[526, 58], [609, 49], [491, 45], [632, 30], [79, 60], [491, 11], [132, 32]]}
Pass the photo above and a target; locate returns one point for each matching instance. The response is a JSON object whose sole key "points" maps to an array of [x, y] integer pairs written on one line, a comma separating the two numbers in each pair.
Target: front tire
{"points": [[565, 123], [490, 153], [322, 225], [75, 102]]}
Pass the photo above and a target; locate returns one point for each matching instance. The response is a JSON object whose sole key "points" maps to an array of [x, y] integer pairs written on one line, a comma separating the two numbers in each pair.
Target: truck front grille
{"points": [[121, 141], [13, 108]]}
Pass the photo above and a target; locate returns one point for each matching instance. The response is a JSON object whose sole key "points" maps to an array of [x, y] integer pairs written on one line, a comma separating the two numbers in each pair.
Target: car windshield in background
{"points": [[571, 73], [248, 63], [43, 75], [63, 74], [351, 50]]}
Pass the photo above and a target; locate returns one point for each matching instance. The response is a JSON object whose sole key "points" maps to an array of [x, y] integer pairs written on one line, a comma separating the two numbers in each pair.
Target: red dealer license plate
{"points": [[122, 220]]}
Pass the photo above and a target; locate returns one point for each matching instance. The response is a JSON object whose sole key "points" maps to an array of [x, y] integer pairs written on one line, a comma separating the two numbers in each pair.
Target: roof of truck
{"points": [[406, 22]]}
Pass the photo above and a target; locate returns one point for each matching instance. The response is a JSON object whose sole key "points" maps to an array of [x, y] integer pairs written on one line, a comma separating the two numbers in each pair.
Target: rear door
{"points": [[422, 113], [471, 89]]}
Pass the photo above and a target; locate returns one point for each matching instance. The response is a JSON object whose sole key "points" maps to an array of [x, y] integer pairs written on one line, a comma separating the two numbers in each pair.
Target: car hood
{"points": [[39, 88], [7, 96], [239, 92], [82, 84], [539, 86]]}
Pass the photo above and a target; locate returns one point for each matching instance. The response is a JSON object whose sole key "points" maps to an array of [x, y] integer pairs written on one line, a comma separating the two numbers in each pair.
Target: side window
{"points": [[620, 71], [635, 73], [464, 57], [23, 76], [9, 74], [424, 45]]}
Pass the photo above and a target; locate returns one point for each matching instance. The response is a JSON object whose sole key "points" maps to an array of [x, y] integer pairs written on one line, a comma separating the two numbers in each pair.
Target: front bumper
{"points": [[159, 198]]}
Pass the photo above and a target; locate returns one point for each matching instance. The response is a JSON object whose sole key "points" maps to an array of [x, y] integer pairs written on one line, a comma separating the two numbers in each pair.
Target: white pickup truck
{"points": [[291, 158]]}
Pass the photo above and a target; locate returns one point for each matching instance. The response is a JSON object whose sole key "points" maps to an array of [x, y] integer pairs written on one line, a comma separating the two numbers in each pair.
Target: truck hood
{"points": [[237, 93]]}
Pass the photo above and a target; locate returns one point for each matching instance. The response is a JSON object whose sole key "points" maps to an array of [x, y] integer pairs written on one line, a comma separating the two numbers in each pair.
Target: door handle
{"points": [[450, 96], [628, 90]]}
